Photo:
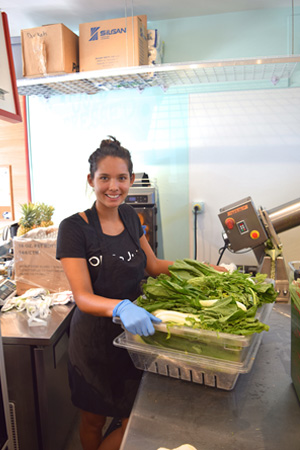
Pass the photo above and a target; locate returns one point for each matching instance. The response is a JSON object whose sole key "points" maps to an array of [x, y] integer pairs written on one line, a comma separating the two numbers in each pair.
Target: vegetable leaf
{"points": [[238, 295]]}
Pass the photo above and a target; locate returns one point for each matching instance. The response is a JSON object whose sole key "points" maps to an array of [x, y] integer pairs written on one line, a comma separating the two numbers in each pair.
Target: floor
{"points": [[73, 442]]}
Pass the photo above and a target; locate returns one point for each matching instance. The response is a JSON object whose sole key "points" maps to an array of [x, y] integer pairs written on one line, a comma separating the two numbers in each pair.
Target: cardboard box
{"points": [[144, 21], [113, 43], [36, 265], [49, 50]]}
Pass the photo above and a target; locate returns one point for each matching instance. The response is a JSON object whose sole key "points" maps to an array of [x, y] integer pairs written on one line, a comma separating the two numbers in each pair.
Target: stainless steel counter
{"points": [[262, 412], [15, 328]]}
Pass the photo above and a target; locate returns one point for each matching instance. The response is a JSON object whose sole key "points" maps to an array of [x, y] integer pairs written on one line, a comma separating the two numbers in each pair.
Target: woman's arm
{"points": [[154, 266], [79, 279], [134, 318]]}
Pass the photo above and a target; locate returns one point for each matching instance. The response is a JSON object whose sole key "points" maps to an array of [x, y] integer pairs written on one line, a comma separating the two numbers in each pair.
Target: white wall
{"points": [[243, 144], [264, 32]]}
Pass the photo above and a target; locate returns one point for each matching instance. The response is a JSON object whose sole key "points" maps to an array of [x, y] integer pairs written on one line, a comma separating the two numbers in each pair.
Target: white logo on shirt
{"points": [[129, 258], [95, 261]]}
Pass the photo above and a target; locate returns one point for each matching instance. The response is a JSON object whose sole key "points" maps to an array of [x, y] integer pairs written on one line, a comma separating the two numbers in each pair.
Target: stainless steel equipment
{"points": [[142, 196], [246, 227], [6, 249]]}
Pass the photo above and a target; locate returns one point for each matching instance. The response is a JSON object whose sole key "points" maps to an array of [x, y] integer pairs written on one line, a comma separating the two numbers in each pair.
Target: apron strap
{"points": [[92, 216], [94, 221]]}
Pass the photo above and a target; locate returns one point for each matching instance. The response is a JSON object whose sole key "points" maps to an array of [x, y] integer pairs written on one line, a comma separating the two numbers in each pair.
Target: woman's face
{"points": [[111, 181]]}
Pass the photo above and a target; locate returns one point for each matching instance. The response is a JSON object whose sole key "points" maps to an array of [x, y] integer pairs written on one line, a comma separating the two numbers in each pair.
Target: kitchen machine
{"points": [[246, 227], [142, 197]]}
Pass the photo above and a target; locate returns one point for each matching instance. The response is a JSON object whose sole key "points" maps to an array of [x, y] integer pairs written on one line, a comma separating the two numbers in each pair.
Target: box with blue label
{"points": [[113, 43]]}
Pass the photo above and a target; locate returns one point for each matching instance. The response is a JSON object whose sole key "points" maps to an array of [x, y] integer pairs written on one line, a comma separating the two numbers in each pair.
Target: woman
{"points": [[105, 254]]}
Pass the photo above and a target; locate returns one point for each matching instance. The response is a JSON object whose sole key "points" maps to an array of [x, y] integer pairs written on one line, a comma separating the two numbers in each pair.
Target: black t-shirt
{"points": [[116, 263]]}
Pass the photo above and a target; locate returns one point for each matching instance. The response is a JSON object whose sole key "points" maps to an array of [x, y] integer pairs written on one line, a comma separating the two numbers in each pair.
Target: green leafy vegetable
{"points": [[237, 296]]}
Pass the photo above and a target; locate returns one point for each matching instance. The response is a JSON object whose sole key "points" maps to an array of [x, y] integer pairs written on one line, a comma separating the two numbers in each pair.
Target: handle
{"points": [[296, 275], [5, 233], [296, 271]]}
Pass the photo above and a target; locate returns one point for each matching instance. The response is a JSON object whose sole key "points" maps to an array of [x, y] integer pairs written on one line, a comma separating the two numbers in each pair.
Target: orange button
{"points": [[229, 222], [254, 234]]}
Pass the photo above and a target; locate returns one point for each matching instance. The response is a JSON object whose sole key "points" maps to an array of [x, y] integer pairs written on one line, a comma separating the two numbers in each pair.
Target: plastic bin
{"points": [[294, 288], [223, 357]]}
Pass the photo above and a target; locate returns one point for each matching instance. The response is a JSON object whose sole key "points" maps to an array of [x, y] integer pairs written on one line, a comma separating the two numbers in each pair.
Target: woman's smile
{"points": [[113, 196]]}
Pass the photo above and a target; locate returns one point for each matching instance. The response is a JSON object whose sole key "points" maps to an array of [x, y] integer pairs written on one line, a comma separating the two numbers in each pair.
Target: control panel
{"points": [[242, 225], [7, 290], [138, 199], [141, 195]]}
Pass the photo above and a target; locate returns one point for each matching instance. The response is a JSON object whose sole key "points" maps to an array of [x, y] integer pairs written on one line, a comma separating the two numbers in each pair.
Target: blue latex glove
{"points": [[135, 319]]}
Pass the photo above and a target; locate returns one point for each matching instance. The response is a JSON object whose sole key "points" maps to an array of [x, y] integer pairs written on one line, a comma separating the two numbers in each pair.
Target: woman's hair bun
{"points": [[111, 141], [109, 147]]}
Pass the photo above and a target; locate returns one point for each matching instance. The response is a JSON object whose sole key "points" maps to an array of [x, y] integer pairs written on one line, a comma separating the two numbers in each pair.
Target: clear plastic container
{"points": [[210, 358], [294, 288]]}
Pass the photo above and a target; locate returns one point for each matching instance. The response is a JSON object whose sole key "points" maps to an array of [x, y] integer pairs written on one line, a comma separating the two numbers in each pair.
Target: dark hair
{"points": [[109, 147]]}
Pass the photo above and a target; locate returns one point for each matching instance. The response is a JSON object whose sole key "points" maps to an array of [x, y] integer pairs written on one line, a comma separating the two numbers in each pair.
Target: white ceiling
{"points": [[24, 14]]}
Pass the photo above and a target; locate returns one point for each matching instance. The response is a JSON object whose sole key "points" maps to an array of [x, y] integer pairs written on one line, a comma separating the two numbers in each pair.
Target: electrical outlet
{"points": [[198, 207]]}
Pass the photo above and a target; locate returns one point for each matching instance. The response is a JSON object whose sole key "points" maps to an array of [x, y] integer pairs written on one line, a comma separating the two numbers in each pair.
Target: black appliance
{"points": [[142, 197], [6, 442], [41, 411], [10, 231]]}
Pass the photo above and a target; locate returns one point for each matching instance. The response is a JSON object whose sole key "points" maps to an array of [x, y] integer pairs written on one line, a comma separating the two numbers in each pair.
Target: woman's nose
{"points": [[113, 184]]}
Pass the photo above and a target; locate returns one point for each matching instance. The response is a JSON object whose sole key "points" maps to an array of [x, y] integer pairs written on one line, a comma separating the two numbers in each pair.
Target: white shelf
{"points": [[273, 69]]}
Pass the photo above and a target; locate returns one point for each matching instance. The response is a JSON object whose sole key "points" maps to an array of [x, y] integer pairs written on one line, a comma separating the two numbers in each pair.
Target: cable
{"points": [[195, 232], [222, 249], [226, 246], [293, 28]]}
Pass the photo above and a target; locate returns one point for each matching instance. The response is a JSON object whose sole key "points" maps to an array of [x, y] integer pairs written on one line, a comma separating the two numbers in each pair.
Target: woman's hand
{"points": [[135, 319], [218, 268]]}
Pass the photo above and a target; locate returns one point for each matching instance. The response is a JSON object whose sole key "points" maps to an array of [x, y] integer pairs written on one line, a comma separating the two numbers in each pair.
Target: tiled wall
{"points": [[243, 144]]}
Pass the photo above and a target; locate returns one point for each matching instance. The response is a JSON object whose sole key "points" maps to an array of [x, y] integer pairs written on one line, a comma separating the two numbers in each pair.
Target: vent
{"points": [[13, 421]]}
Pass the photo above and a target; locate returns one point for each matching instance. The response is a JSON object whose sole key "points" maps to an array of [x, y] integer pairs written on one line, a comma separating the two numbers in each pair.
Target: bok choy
{"points": [[211, 300]]}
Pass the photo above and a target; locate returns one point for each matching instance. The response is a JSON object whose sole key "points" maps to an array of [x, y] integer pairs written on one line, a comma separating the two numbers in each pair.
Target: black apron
{"points": [[103, 379]]}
